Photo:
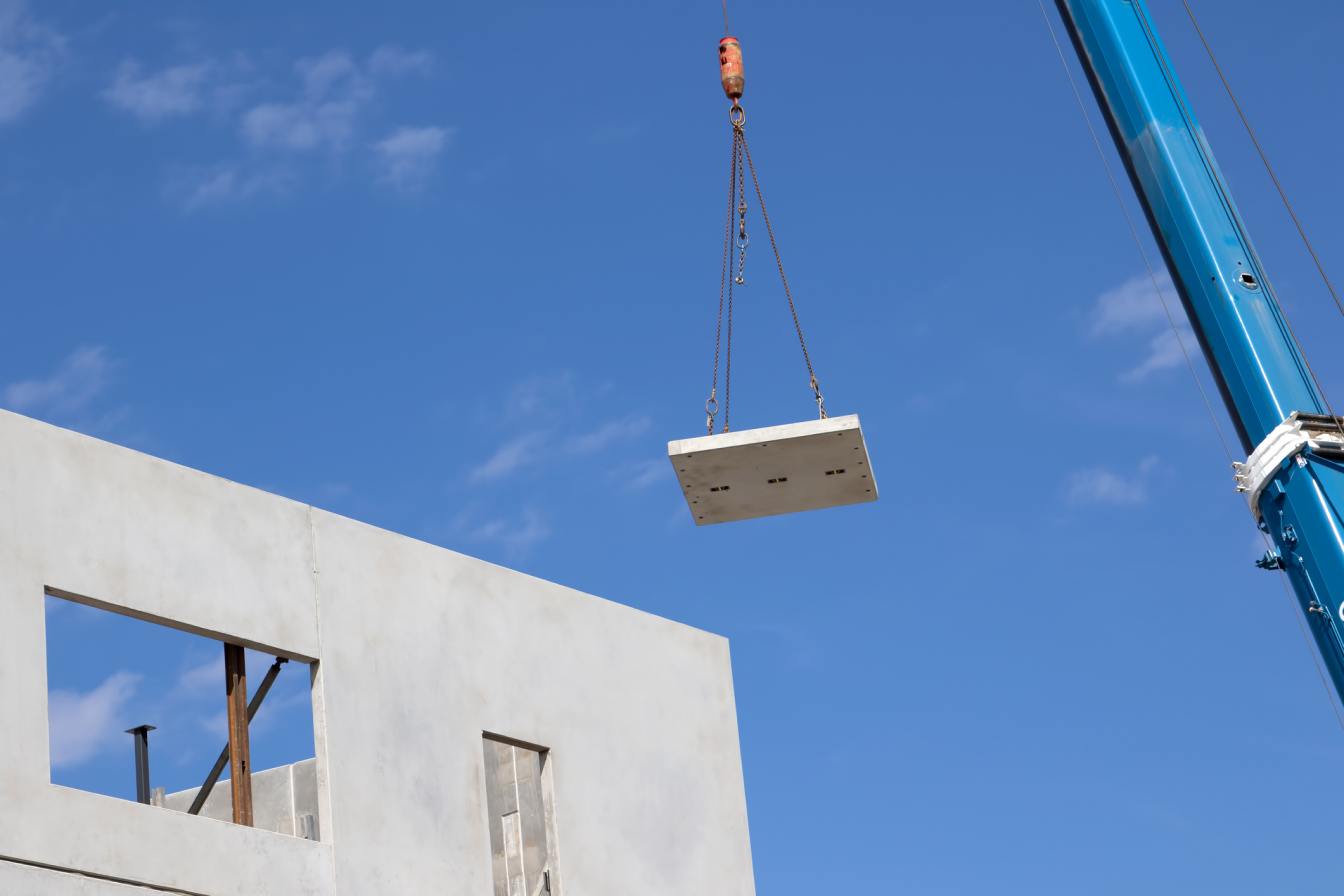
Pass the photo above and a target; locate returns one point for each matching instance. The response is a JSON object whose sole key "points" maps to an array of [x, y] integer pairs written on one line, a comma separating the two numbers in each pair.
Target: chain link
{"points": [[712, 403], [739, 180], [737, 201]]}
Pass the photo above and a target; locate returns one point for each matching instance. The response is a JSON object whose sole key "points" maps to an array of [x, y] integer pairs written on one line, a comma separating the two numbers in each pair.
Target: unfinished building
{"points": [[477, 731]]}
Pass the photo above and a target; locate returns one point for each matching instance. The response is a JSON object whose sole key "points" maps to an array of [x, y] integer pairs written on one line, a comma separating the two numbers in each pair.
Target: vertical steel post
{"points": [[1261, 373], [141, 735], [203, 793], [240, 750]]}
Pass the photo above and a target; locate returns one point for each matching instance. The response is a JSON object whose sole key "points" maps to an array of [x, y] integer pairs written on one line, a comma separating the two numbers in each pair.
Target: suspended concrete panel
{"points": [[779, 469]]}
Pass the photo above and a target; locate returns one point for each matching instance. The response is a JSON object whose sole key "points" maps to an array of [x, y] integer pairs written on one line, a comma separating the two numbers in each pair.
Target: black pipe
{"points": [[141, 735]]}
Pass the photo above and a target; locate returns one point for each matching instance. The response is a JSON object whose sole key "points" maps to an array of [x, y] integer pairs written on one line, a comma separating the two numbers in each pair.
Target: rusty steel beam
{"points": [[240, 750], [217, 769]]}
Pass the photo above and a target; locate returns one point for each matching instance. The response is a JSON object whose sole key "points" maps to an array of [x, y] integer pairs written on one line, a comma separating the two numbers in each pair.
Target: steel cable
{"points": [[1283, 195]]}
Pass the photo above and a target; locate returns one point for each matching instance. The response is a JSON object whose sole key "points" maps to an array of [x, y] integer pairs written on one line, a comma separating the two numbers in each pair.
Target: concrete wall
{"points": [[281, 797], [419, 651]]}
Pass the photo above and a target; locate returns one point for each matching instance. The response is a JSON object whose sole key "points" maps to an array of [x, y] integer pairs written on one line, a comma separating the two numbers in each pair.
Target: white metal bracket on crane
{"points": [[1289, 439]]}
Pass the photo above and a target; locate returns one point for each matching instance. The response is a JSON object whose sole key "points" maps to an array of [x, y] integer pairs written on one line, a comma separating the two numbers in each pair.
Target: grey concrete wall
{"points": [[419, 649], [280, 797]]}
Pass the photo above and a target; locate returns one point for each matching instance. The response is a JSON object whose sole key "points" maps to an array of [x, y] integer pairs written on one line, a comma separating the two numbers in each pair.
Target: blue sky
{"points": [[451, 269]]}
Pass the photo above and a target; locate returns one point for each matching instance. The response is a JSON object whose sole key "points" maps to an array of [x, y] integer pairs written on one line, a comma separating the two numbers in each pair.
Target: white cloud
{"points": [[29, 55], [545, 395], [216, 724], [393, 60], [516, 536], [223, 184], [553, 407], [1099, 485], [335, 491], [300, 126], [1134, 308], [1102, 486], [1164, 352], [78, 380], [203, 678], [83, 724], [608, 434], [1133, 305], [322, 110], [406, 157], [639, 475], [153, 97], [510, 457], [334, 90]]}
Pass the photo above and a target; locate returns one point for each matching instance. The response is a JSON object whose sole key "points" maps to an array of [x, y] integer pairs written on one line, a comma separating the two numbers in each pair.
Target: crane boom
{"points": [[1294, 474]]}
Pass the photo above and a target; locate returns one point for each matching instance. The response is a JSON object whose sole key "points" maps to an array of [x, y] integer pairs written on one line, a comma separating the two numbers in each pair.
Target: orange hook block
{"points": [[730, 68]]}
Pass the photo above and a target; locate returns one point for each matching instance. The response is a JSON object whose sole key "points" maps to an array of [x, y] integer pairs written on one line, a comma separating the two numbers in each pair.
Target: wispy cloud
{"points": [[1131, 306], [227, 183], [528, 448], [1135, 308], [77, 381], [638, 475], [1165, 350], [516, 536], [83, 724], [393, 60], [204, 677], [153, 97], [406, 158], [545, 396], [30, 52], [1100, 485], [333, 90], [215, 724], [608, 434], [322, 109], [513, 455]]}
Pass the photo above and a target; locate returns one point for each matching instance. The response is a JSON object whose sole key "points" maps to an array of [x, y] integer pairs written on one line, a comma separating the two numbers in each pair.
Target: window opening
{"points": [[141, 711]]}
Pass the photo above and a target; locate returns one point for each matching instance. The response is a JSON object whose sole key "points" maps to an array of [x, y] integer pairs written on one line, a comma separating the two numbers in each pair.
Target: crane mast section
{"points": [[1296, 468], [1217, 273]]}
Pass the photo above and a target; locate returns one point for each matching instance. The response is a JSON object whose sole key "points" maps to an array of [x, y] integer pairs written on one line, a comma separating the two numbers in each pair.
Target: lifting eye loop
{"points": [[737, 115]]}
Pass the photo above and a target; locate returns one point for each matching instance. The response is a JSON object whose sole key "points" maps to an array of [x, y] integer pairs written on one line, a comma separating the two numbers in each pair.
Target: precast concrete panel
{"points": [[28, 880], [636, 712], [420, 652]]}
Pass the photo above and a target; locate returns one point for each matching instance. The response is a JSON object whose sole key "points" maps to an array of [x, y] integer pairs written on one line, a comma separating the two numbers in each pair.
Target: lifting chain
{"points": [[731, 73]]}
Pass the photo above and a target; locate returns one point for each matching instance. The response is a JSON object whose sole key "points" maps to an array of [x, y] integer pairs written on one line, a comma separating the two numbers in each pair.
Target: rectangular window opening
{"points": [[140, 710], [519, 803]]}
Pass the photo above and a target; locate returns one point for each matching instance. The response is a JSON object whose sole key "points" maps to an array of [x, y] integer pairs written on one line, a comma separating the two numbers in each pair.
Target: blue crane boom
{"points": [[1294, 474]]}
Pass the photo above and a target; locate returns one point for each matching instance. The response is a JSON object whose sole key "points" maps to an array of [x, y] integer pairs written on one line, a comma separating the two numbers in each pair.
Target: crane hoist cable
{"points": [[1273, 175], [733, 270], [1287, 204]]}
